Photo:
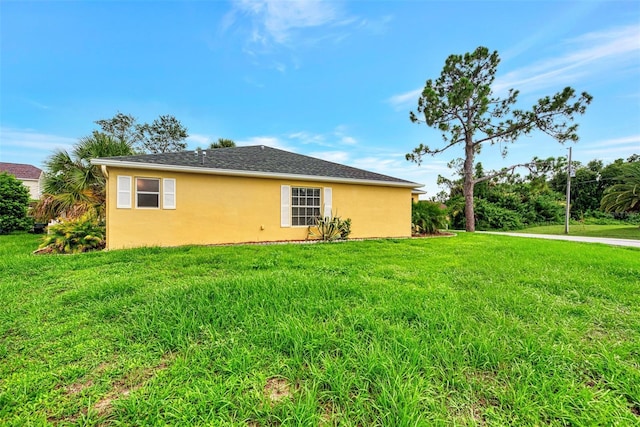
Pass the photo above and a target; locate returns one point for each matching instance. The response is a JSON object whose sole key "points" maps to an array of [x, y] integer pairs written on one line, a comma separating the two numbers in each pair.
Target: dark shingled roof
{"points": [[21, 171], [257, 158]]}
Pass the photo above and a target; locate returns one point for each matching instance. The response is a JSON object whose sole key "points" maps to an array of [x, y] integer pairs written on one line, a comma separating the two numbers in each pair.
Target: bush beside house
{"points": [[14, 203]]}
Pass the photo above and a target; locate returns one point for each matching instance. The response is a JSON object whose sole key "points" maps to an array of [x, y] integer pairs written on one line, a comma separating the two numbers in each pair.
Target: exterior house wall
{"points": [[34, 187], [213, 209]]}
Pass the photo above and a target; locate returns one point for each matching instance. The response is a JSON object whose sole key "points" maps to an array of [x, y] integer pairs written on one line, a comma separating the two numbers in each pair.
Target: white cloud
{"points": [[36, 104], [633, 139], [29, 146], [280, 67], [269, 141], [31, 139], [275, 20], [198, 140], [307, 137], [405, 100], [337, 138], [610, 50], [611, 153], [341, 132], [611, 149], [602, 53], [331, 156], [395, 164], [376, 26]]}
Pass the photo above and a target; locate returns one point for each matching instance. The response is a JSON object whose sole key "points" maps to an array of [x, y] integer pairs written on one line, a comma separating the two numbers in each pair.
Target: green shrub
{"points": [[611, 218], [330, 228], [427, 217], [82, 235], [546, 208], [490, 216], [14, 202]]}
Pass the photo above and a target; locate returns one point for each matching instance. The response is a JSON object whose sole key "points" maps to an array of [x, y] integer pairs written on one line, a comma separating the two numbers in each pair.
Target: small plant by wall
{"points": [[330, 228]]}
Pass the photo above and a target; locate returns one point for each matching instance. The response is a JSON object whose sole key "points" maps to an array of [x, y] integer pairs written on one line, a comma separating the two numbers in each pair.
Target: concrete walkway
{"points": [[603, 240]]}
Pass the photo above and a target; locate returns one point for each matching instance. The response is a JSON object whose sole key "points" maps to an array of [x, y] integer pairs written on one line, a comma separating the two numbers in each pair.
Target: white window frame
{"points": [[148, 192], [296, 196]]}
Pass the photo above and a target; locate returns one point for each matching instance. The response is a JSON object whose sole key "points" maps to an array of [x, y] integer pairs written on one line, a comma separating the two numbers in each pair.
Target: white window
{"points": [[305, 205], [147, 193]]}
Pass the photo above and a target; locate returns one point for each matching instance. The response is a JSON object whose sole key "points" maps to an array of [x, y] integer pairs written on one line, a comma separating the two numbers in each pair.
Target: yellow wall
{"points": [[214, 209]]}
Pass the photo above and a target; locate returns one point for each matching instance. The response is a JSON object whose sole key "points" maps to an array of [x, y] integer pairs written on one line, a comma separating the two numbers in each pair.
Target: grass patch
{"points": [[476, 329], [625, 231]]}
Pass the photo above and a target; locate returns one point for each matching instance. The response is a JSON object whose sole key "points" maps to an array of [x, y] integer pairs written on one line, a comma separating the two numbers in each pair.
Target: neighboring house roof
{"points": [[21, 171], [257, 160]]}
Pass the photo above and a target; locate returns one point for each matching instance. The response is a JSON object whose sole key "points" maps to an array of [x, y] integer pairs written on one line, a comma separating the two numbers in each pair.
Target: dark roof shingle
{"points": [[257, 158], [21, 171]]}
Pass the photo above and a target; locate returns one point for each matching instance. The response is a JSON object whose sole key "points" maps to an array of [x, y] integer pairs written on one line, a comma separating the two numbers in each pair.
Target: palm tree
{"points": [[73, 186], [624, 196]]}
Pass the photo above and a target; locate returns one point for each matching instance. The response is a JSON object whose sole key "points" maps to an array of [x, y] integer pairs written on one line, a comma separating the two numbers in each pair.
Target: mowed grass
{"points": [[614, 231], [468, 330]]}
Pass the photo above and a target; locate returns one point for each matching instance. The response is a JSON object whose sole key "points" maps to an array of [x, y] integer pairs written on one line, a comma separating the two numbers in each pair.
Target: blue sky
{"points": [[335, 80]]}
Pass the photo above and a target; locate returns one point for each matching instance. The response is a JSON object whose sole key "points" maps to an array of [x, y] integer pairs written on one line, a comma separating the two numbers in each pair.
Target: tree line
{"points": [[513, 201]]}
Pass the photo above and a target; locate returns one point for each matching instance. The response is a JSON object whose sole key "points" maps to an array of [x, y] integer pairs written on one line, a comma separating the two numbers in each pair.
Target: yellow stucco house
{"points": [[244, 194]]}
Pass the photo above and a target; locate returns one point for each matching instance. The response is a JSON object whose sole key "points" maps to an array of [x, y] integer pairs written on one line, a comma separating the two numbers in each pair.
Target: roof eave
{"points": [[250, 174]]}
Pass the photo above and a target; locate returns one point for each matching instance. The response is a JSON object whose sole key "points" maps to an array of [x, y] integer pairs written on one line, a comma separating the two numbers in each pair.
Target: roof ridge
{"points": [[246, 159]]}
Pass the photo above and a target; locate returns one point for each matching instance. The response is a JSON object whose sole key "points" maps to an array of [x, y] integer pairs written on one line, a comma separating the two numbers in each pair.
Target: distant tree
{"points": [[586, 187], [165, 134], [122, 127], [72, 185], [481, 190], [589, 183], [460, 103], [222, 143], [14, 202], [625, 195]]}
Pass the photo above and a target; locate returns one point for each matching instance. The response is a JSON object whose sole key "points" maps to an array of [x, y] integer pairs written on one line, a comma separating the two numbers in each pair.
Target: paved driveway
{"points": [[603, 240]]}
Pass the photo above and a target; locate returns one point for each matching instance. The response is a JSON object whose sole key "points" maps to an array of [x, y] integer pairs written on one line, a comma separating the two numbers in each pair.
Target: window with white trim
{"points": [[148, 193], [305, 205]]}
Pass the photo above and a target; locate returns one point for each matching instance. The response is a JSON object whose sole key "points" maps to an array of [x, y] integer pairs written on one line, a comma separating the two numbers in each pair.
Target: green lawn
{"points": [[469, 330], [625, 231]]}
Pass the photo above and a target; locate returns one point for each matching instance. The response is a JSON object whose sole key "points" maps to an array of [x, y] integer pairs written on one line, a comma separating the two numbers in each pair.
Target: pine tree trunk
{"points": [[467, 189]]}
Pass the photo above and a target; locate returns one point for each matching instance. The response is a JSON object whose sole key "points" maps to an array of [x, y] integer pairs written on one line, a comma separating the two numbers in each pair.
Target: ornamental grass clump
{"points": [[82, 235]]}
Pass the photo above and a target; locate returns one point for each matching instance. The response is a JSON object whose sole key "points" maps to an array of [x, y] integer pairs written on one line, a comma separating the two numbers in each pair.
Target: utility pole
{"points": [[566, 213]]}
